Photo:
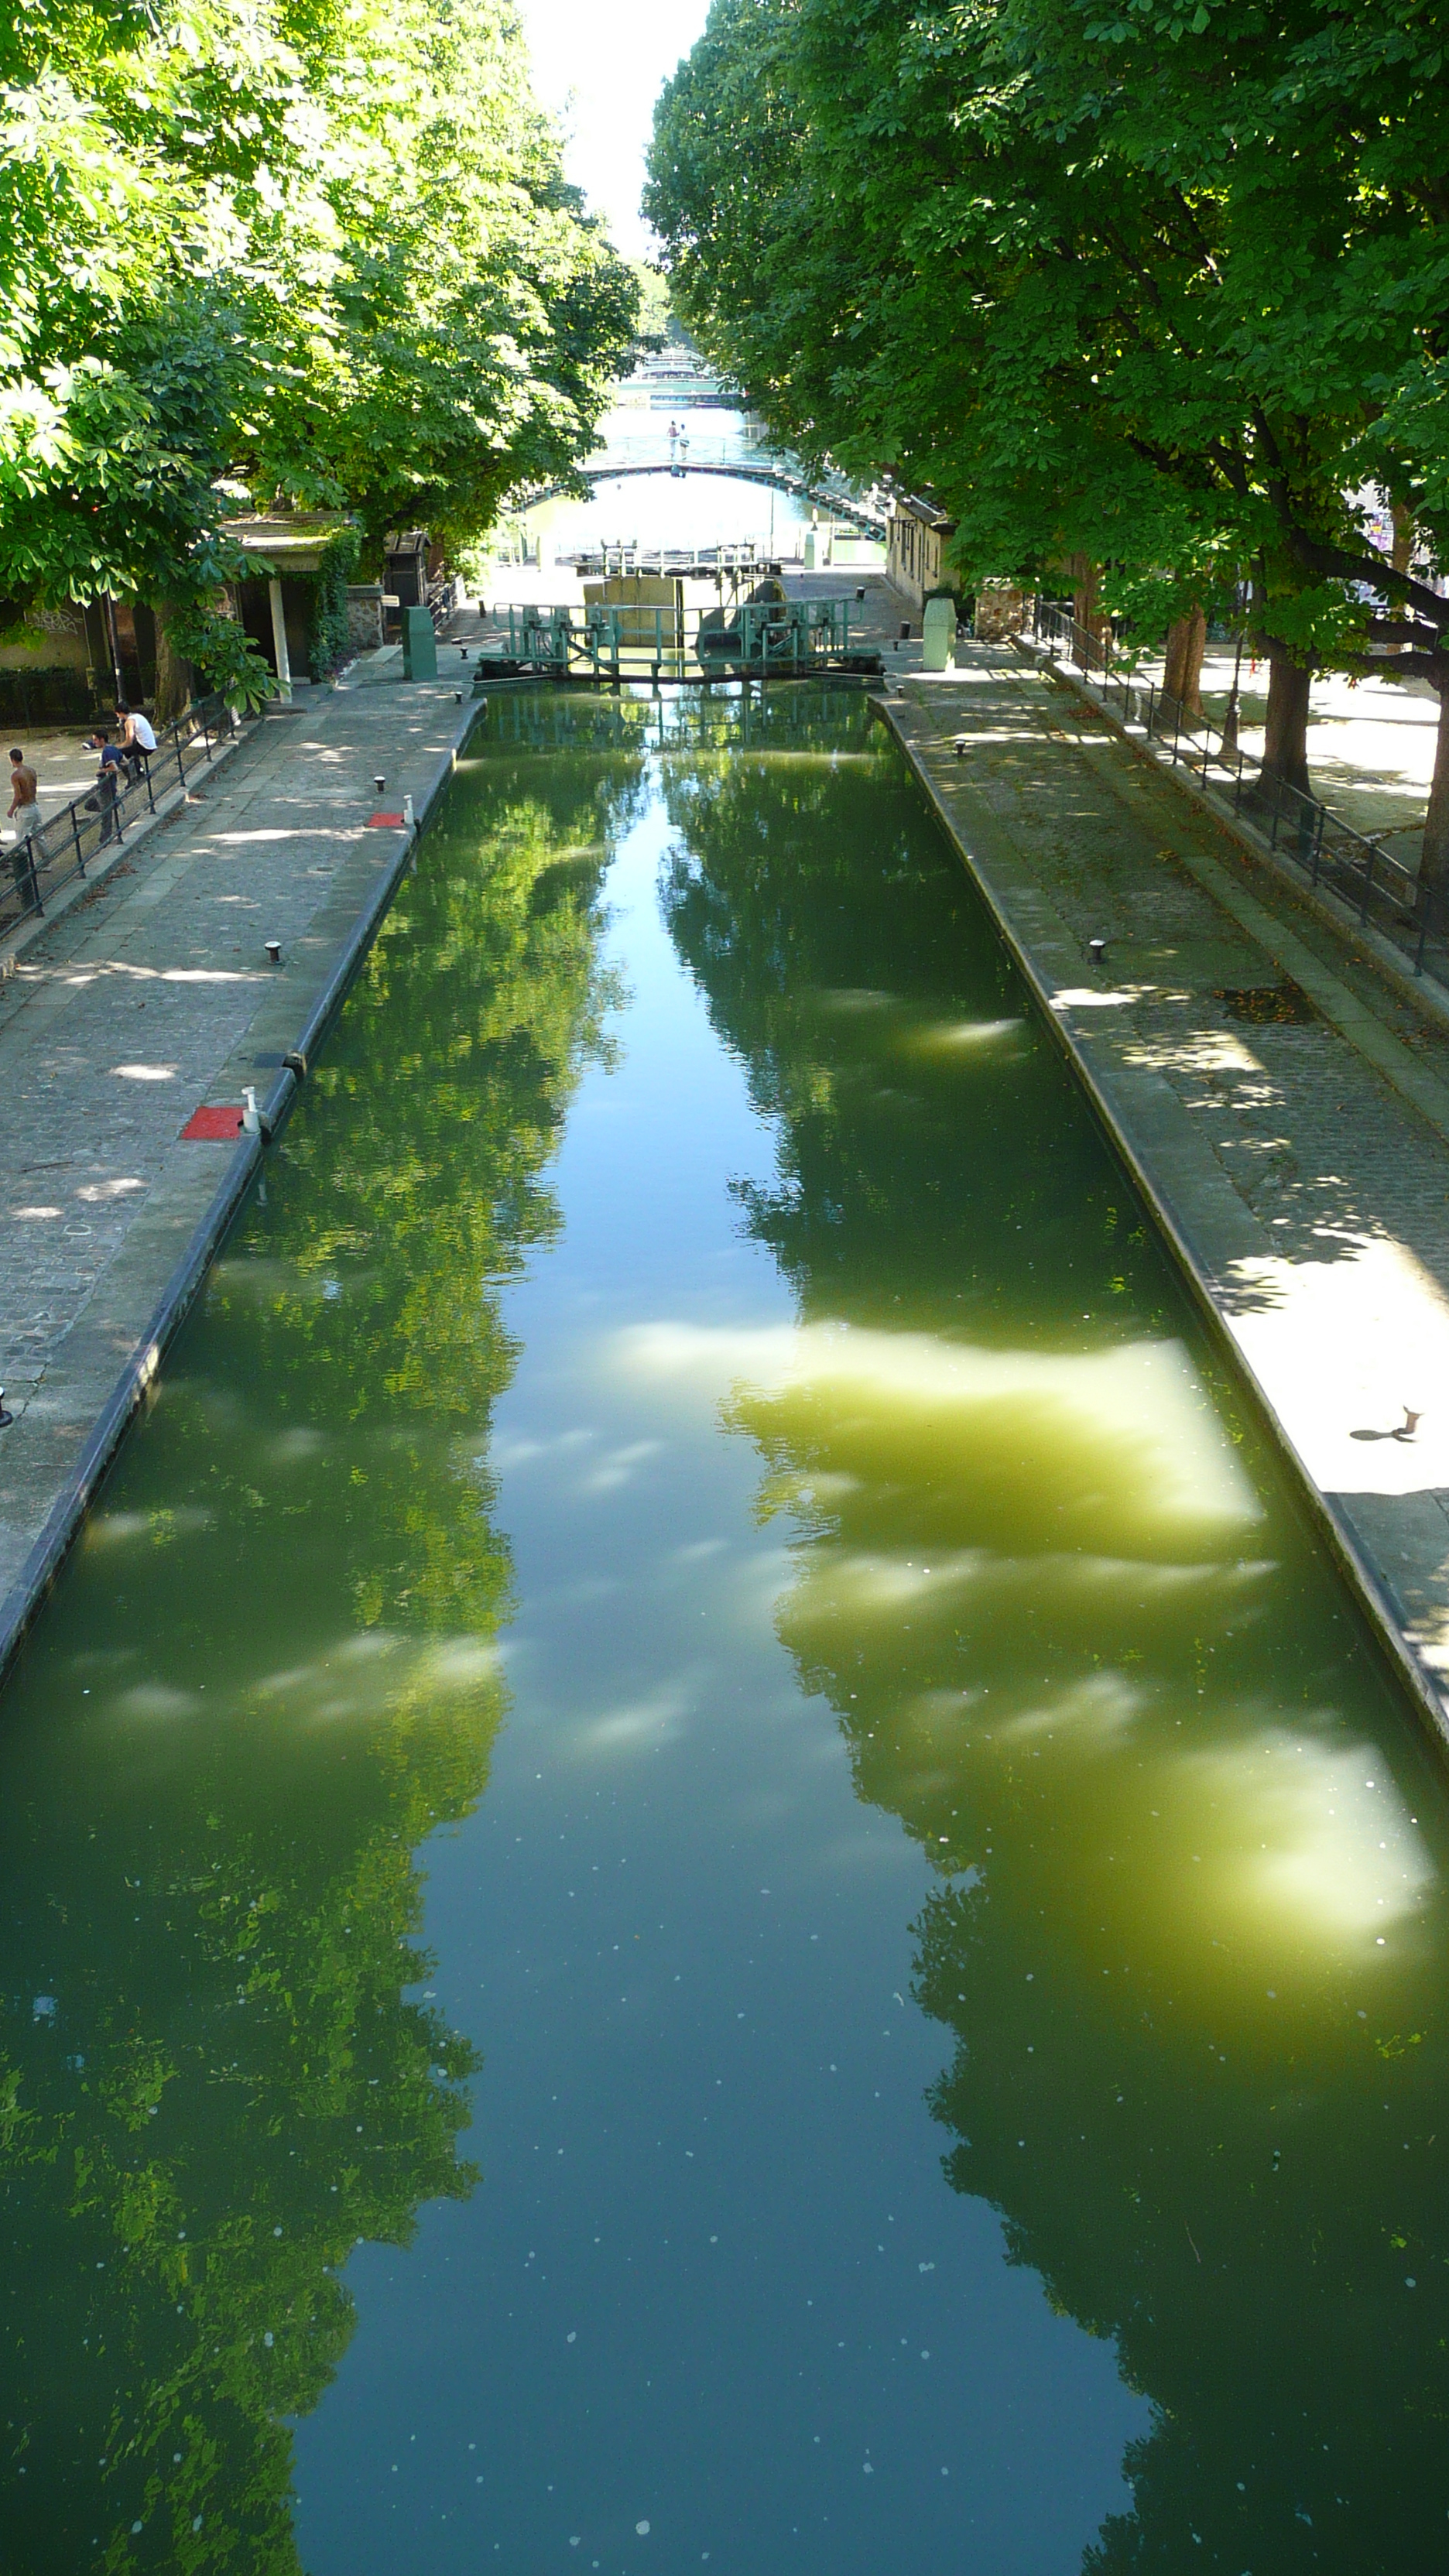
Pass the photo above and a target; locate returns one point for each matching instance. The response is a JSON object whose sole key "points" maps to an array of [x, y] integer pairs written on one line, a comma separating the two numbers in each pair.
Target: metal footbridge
{"points": [[746, 638]]}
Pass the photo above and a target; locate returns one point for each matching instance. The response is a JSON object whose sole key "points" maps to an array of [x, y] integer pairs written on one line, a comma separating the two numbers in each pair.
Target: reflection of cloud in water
{"points": [[512, 1450], [1090, 1717], [617, 1466], [369, 1675], [154, 1701], [119, 1529], [1295, 1831], [957, 1037], [1124, 1434], [639, 1724], [831, 1580], [917, 1032]]}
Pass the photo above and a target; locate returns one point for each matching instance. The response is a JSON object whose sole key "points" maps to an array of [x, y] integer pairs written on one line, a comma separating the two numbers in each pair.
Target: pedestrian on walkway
{"points": [[108, 783], [25, 815], [137, 740]]}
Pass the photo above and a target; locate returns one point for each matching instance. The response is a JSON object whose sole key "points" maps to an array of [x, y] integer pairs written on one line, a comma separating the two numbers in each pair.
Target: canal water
{"points": [[700, 1872]]}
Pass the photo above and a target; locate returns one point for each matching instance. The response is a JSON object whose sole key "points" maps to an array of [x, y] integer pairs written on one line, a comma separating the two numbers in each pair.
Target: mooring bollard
{"points": [[408, 824], [251, 1115], [274, 951], [1097, 951]]}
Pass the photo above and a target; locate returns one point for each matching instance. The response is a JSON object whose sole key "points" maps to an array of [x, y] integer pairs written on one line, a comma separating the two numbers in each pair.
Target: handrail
{"points": [[1302, 828], [607, 638], [69, 841]]}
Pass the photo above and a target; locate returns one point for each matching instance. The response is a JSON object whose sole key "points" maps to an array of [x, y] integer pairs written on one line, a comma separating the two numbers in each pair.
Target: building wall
{"points": [[364, 615], [913, 557], [48, 639], [1001, 610]]}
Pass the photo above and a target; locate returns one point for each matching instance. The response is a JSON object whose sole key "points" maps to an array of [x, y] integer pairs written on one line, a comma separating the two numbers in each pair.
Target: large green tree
{"points": [[1156, 287], [319, 254]]}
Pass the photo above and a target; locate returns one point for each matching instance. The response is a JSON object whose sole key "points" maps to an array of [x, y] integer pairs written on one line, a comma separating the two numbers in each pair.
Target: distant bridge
{"points": [[866, 511]]}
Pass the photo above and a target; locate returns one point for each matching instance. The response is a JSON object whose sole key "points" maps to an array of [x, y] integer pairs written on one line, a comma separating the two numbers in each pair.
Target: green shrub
{"points": [[328, 643]]}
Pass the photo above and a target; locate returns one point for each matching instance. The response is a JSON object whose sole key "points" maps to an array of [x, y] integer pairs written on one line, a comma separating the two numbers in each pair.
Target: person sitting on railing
{"points": [[108, 781], [138, 741], [25, 815]]}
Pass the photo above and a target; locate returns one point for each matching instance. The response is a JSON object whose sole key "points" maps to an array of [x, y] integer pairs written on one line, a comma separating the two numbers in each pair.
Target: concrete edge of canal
{"points": [[149, 1278], [1193, 1204]]}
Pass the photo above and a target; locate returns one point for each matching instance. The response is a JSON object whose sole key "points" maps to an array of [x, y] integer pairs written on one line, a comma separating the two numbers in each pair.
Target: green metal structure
{"points": [[772, 636]]}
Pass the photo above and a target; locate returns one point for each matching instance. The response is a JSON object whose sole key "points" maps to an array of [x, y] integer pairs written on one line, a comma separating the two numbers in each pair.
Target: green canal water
{"points": [[699, 1870]]}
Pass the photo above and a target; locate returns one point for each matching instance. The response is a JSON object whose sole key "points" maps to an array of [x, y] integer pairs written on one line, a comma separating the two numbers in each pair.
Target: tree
{"points": [[1155, 288], [321, 254]]}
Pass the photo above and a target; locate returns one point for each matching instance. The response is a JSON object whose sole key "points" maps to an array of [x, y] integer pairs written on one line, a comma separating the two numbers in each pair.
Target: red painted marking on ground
{"points": [[383, 819], [213, 1126]]}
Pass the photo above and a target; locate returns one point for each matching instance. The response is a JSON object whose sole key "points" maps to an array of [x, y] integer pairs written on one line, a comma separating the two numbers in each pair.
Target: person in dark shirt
{"points": [[108, 782]]}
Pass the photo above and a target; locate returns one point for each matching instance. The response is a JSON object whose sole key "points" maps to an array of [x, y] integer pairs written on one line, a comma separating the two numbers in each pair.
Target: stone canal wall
{"points": [[130, 1032]]}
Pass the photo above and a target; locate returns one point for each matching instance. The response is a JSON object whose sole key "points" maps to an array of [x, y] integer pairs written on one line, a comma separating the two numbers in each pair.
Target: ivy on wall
{"points": [[328, 642]]}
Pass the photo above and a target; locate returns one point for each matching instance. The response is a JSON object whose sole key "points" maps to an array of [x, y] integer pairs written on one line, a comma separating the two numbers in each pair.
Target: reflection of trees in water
{"points": [[842, 957], [1122, 1712], [214, 2081]]}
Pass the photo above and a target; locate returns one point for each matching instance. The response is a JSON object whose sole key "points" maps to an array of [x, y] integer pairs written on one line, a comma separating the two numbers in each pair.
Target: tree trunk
{"points": [[173, 674], [1285, 749], [1182, 675], [1434, 860], [1086, 609], [1401, 554]]}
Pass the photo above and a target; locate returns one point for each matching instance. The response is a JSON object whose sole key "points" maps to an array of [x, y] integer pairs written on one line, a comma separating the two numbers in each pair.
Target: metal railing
{"points": [[1302, 827], [608, 640], [33, 872]]}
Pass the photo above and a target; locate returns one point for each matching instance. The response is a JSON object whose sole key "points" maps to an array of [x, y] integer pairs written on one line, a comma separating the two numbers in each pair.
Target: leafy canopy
{"points": [[320, 249]]}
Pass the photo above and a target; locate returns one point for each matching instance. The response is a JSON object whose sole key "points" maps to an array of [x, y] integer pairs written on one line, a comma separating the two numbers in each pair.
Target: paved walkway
{"points": [[1301, 1161], [1370, 742], [64, 768], [154, 995]]}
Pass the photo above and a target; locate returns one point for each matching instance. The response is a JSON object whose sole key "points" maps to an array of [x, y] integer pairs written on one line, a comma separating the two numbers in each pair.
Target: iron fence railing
{"points": [[1323, 843], [33, 872], [616, 640]]}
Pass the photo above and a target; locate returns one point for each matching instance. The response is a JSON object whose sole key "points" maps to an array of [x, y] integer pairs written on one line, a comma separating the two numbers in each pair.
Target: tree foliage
{"points": [[321, 250], [1158, 286]]}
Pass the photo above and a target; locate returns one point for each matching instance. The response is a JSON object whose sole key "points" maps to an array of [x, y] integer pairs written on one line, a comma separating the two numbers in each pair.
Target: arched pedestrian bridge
{"points": [[731, 458]]}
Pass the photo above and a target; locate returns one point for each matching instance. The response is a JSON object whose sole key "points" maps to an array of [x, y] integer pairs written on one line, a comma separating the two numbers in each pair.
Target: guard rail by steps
{"points": [[33, 872], [1328, 848]]}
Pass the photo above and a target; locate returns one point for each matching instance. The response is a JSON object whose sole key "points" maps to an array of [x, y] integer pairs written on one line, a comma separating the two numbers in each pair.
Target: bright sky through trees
{"points": [[600, 64]]}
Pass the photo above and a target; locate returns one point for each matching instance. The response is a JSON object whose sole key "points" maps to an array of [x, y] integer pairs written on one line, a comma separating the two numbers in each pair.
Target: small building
{"points": [[279, 606], [916, 549]]}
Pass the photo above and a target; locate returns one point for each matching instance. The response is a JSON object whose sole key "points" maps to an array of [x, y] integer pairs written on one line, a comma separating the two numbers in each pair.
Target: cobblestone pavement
{"points": [[153, 995], [1301, 1160]]}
